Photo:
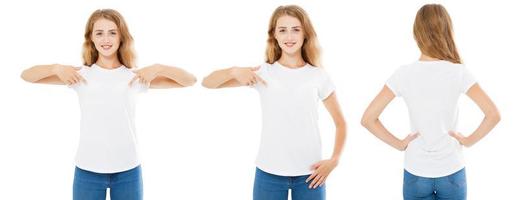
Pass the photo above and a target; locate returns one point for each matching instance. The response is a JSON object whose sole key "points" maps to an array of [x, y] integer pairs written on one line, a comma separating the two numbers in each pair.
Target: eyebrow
{"points": [[291, 27], [102, 30]]}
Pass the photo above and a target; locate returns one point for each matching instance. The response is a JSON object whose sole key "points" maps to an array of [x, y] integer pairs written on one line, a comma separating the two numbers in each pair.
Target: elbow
{"points": [[194, 80], [497, 117], [340, 124], [341, 127], [206, 83], [366, 121], [494, 116], [25, 77], [191, 81]]}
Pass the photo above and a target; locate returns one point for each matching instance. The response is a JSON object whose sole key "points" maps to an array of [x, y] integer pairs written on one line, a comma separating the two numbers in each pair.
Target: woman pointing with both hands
{"points": [[107, 89]]}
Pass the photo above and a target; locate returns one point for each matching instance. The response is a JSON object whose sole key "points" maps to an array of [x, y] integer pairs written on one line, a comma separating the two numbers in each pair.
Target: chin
{"points": [[106, 54], [291, 51]]}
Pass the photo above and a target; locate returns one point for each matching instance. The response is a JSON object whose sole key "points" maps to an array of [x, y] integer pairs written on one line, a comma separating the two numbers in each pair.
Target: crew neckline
{"points": [[108, 70], [290, 68], [430, 61]]}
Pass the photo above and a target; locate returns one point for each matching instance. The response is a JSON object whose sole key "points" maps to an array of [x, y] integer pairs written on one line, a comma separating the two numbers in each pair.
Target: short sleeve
{"points": [[74, 86], [261, 72], [139, 87], [81, 72], [136, 84], [326, 86], [394, 83], [467, 79]]}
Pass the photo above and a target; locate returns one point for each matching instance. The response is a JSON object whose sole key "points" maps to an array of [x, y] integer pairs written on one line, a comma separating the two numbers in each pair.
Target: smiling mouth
{"points": [[290, 44], [106, 46]]}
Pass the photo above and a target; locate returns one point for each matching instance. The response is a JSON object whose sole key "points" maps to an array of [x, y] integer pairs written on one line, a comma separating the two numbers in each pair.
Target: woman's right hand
{"points": [[407, 140], [246, 75], [68, 74]]}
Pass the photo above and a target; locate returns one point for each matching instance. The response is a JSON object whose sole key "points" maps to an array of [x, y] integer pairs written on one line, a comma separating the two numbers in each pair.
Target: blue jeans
{"points": [[273, 187], [451, 187], [126, 185]]}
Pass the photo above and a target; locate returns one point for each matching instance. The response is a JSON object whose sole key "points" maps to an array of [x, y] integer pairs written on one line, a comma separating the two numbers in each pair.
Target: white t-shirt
{"points": [[290, 141], [431, 90], [107, 138]]}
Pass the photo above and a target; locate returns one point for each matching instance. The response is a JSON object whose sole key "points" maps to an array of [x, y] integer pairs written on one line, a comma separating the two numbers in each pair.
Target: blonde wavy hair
{"points": [[310, 49], [434, 34], [125, 53]]}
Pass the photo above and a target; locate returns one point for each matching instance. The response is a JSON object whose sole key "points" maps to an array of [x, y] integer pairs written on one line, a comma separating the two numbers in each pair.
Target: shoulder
{"points": [[459, 66], [263, 68], [407, 67], [265, 65], [455, 68], [320, 72], [404, 69], [84, 69], [129, 70]]}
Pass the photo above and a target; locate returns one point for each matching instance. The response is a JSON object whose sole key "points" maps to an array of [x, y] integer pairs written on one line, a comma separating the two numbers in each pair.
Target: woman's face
{"points": [[289, 34], [105, 37]]}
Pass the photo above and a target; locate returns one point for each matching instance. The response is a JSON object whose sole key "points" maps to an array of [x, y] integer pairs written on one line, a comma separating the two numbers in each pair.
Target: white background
{"points": [[197, 143]]}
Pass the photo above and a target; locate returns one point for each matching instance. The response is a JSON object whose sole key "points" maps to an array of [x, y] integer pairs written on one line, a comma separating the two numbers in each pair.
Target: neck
{"points": [[424, 57], [292, 60], [109, 62]]}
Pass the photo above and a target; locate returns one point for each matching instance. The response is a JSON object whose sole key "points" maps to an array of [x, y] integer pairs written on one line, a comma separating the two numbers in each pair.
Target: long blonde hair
{"points": [[434, 34], [125, 53], [310, 49]]}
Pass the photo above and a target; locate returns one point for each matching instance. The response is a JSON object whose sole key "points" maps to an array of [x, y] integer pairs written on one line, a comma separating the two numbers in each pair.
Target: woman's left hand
{"points": [[465, 141], [321, 171], [146, 74]]}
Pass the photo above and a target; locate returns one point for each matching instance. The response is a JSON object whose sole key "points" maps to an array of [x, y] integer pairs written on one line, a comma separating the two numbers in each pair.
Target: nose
{"points": [[290, 35], [104, 39]]}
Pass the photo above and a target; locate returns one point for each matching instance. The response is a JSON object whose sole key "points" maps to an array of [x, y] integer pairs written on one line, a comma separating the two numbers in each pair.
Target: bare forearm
{"points": [[488, 123], [217, 78], [340, 140], [38, 72], [377, 128], [176, 74]]}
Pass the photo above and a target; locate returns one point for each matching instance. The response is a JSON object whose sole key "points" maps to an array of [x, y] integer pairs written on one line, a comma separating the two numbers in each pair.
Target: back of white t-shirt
{"points": [[431, 90]]}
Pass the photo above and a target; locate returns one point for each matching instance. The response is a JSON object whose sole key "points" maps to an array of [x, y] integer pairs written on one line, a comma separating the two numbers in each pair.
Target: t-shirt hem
{"points": [[107, 171], [283, 173], [422, 173]]}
